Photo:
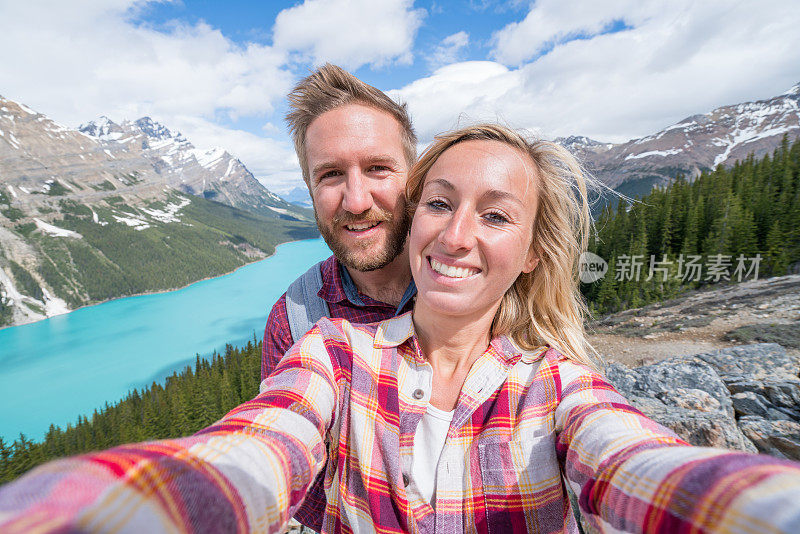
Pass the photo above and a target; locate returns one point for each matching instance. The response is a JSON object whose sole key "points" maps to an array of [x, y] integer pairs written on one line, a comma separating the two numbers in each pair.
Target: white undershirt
{"points": [[429, 441]]}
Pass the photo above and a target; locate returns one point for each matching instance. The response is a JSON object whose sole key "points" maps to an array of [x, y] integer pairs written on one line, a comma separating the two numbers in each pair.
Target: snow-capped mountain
{"points": [[118, 209], [214, 173], [695, 144]]}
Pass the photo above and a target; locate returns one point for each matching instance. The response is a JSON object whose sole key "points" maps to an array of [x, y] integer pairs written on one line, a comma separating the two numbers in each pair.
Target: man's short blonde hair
{"points": [[330, 87]]}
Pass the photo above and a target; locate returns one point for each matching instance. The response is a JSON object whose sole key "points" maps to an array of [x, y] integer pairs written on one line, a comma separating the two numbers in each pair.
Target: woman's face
{"points": [[471, 233]]}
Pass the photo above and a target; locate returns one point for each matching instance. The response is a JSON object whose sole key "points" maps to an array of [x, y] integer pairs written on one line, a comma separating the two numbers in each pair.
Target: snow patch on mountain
{"points": [[55, 230], [169, 213], [135, 223], [654, 153], [208, 158], [744, 136]]}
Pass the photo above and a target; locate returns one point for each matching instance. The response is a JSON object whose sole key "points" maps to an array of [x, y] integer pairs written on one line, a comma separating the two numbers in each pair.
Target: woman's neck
{"points": [[451, 343]]}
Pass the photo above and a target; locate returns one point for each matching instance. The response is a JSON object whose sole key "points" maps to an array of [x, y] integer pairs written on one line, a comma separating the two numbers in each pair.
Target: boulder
{"points": [[686, 396], [779, 438], [759, 361], [745, 397]]}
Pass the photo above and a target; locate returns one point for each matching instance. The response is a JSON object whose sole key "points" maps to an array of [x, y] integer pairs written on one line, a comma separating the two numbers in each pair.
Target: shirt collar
{"points": [[338, 285], [397, 330]]}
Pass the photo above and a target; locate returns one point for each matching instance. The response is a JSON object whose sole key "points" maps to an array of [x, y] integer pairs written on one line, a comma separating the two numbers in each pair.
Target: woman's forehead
{"points": [[487, 163]]}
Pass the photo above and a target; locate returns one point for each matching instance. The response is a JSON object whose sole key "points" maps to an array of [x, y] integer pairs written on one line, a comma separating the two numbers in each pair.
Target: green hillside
{"points": [[114, 259]]}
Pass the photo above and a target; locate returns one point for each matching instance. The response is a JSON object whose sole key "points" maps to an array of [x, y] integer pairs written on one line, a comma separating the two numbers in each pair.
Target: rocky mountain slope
{"points": [[697, 143], [719, 366], [112, 210], [215, 174]]}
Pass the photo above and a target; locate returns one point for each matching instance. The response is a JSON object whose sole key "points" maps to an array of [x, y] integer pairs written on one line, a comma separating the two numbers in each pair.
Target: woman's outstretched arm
{"points": [[247, 472], [632, 475]]}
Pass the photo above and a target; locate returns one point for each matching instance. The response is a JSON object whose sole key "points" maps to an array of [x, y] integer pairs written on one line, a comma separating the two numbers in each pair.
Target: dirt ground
{"points": [[703, 320]]}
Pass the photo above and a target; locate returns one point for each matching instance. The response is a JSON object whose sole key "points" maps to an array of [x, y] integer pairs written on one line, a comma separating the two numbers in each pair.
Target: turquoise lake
{"points": [[54, 370]]}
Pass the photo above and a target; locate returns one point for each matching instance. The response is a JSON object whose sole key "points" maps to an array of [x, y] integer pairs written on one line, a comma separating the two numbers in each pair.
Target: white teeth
{"points": [[450, 271], [359, 227]]}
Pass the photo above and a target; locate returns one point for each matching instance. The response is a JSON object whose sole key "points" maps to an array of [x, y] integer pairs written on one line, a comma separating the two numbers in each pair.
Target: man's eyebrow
{"points": [[324, 166], [382, 158], [371, 160]]}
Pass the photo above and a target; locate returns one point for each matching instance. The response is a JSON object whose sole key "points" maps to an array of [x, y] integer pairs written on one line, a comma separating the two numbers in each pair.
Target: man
{"points": [[355, 147]]}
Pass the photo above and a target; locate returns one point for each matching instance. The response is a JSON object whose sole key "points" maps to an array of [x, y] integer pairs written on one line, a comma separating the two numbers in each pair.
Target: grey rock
{"points": [[779, 438], [686, 396], [758, 361], [705, 429], [784, 393], [749, 403], [683, 383]]}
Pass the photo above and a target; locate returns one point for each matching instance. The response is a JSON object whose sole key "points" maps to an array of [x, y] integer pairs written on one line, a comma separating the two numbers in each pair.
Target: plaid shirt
{"points": [[344, 302], [346, 400]]}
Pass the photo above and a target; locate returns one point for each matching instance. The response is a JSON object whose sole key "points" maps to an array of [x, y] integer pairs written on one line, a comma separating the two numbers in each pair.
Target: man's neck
{"points": [[387, 284]]}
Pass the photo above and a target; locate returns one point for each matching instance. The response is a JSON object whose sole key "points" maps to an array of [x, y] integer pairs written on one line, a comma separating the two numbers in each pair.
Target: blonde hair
{"points": [[330, 87], [544, 306]]}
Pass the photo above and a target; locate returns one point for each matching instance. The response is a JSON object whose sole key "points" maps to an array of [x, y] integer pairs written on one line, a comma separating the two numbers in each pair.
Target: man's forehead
{"points": [[338, 136]]}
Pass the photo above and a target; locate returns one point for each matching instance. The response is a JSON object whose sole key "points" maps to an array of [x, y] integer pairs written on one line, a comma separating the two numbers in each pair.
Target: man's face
{"points": [[357, 176]]}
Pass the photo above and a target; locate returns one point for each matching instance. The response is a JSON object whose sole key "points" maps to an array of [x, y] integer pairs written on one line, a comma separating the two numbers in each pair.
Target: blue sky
{"points": [[219, 71]]}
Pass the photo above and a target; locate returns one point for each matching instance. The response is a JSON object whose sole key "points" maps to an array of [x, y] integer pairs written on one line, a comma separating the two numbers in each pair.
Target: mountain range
{"points": [[109, 210], [695, 144]]}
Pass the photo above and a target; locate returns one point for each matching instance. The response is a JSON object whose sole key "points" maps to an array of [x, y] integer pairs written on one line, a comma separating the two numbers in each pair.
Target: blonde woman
{"points": [[473, 413]]}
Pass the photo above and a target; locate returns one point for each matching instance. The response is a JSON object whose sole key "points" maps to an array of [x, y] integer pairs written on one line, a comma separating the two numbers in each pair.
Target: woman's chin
{"points": [[452, 306]]}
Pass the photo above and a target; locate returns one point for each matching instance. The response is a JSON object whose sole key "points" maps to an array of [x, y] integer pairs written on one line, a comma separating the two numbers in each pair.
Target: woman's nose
{"points": [[459, 233], [357, 197]]}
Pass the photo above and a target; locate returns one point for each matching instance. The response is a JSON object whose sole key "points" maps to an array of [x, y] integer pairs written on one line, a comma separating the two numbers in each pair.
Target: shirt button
{"points": [[418, 394], [405, 480]]}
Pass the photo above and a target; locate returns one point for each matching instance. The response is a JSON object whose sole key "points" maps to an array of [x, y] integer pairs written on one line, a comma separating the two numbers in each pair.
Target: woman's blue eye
{"points": [[437, 204], [495, 217]]}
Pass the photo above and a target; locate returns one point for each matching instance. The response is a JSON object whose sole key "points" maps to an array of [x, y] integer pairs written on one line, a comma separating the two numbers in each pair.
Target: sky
{"points": [[218, 72]]}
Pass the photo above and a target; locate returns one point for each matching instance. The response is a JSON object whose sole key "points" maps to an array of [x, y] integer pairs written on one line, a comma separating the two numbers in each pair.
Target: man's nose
{"points": [[357, 196], [459, 233]]}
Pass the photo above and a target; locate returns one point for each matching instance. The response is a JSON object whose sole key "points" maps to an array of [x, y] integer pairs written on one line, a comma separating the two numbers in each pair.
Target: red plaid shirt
{"points": [[344, 302]]}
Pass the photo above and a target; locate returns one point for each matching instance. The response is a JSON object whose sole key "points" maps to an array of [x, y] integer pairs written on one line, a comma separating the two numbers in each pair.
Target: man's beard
{"points": [[368, 256]]}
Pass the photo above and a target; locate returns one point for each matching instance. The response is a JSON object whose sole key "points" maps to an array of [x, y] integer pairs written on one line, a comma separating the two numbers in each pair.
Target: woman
{"points": [[460, 416]]}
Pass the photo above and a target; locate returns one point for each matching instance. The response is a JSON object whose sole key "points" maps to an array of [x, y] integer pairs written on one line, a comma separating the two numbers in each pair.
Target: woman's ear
{"points": [[531, 260]]}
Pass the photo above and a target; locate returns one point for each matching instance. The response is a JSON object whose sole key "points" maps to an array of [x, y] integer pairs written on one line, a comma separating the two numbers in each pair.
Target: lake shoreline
{"points": [[160, 291], [57, 370]]}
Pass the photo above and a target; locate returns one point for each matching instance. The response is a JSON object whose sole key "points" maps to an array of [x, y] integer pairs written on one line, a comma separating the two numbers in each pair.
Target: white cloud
{"points": [[679, 58], [75, 62], [350, 33], [448, 50], [549, 22]]}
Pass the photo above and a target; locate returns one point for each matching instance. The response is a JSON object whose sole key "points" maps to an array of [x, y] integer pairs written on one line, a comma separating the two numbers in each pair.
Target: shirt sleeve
{"points": [[633, 475], [277, 338], [247, 472]]}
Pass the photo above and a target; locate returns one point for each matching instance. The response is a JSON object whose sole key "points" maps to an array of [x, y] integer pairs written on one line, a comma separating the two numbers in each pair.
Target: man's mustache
{"points": [[372, 215]]}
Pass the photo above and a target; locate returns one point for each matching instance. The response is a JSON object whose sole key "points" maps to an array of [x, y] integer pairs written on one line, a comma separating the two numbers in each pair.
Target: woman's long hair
{"points": [[544, 306]]}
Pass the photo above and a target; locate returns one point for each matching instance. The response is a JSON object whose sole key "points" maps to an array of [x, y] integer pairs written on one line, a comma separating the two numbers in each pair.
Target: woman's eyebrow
{"points": [[496, 194], [442, 182]]}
